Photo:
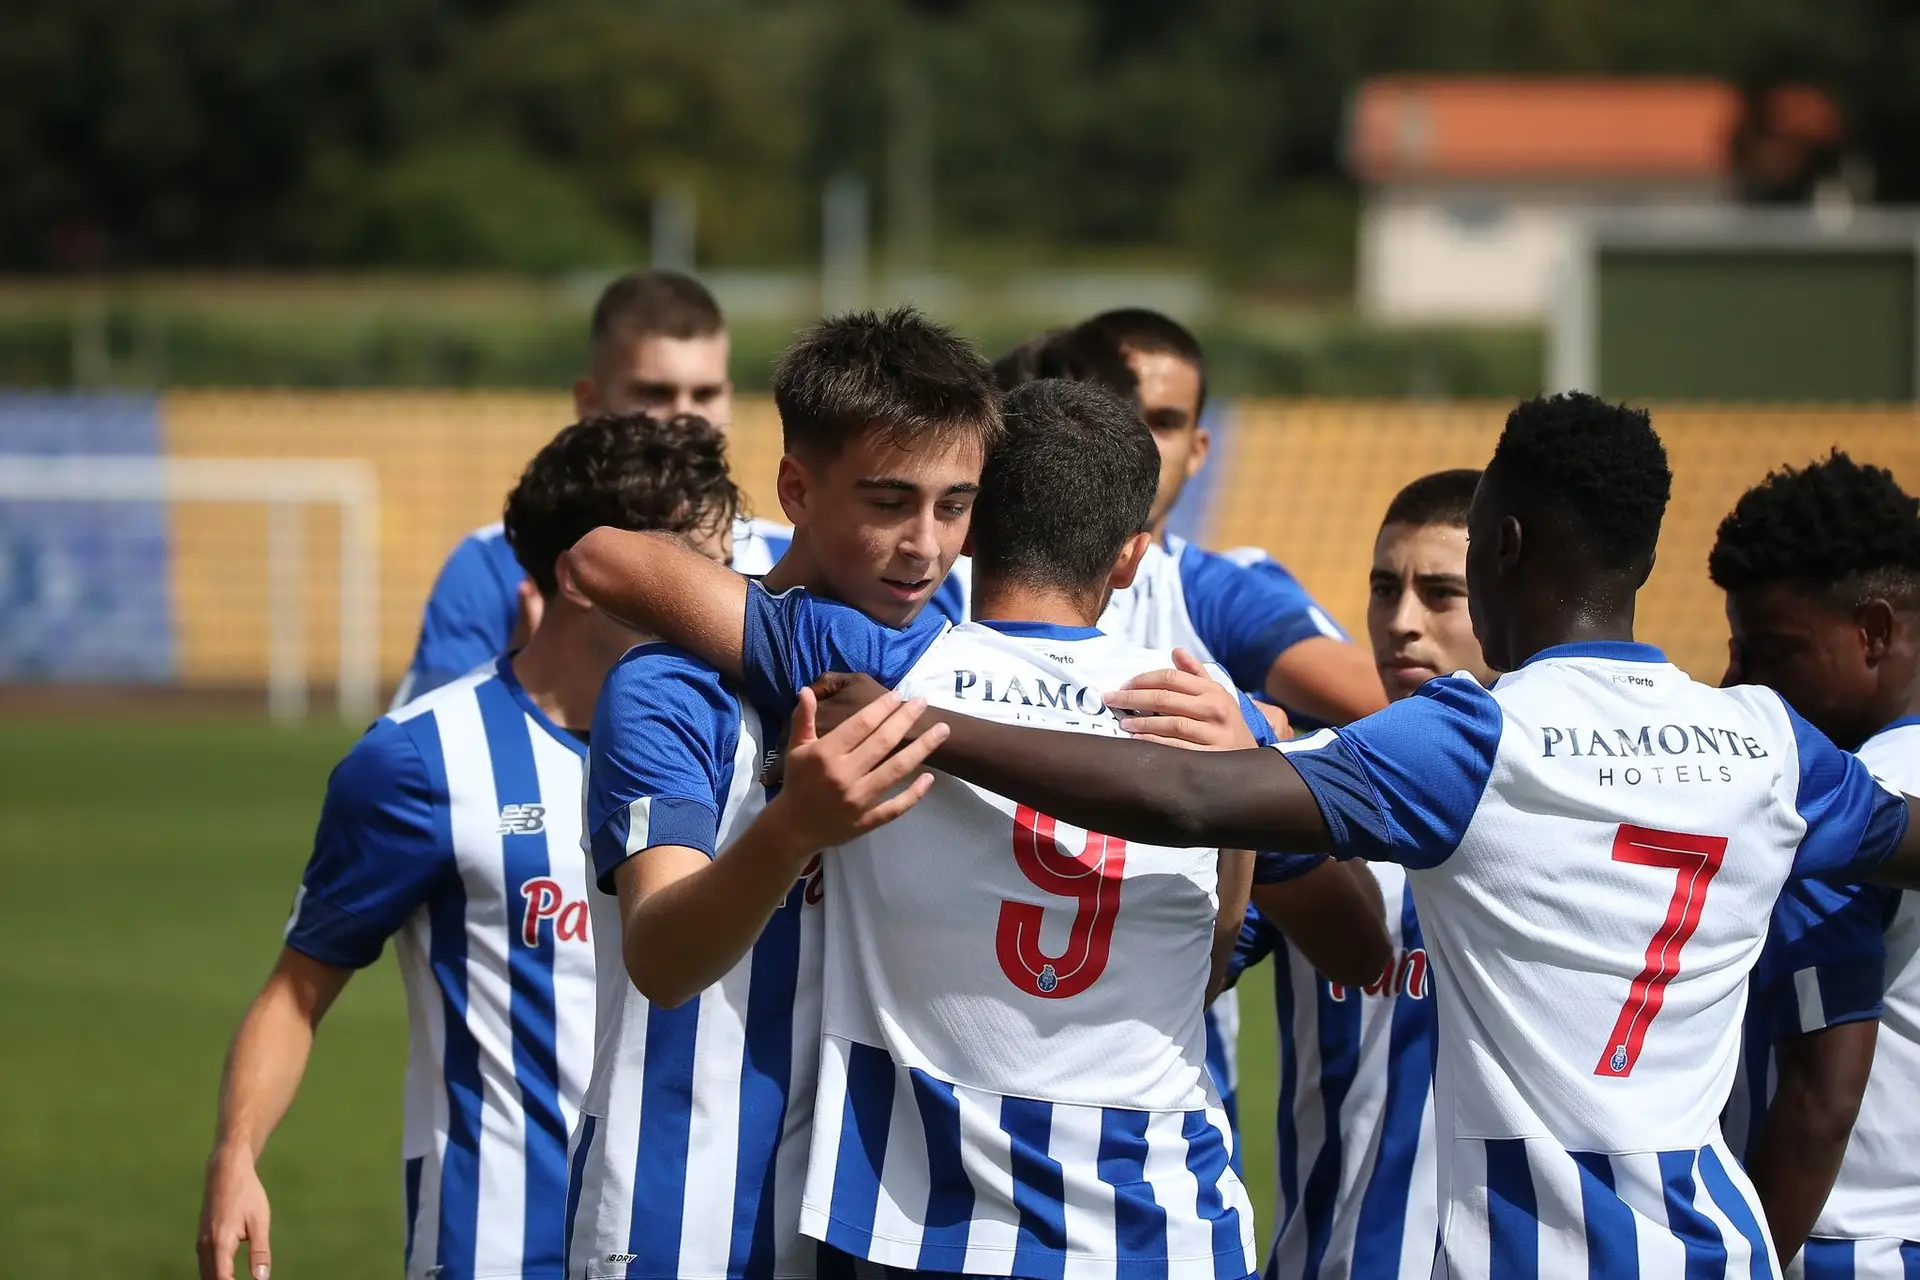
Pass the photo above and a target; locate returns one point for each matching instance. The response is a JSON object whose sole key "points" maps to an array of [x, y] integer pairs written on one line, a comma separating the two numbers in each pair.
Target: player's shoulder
{"points": [[657, 683], [484, 550], [1893, 754], [442, 696], [389, 763]]}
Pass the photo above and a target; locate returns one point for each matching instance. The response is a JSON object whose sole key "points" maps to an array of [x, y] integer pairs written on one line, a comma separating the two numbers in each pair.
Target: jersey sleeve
{"points": [[660, 759], [383, 847], [469, 616], [1853, 822], [1825, 959], [1278, 868], [1402, 784], [1249, 614], [1256, 942], [793, 638]]}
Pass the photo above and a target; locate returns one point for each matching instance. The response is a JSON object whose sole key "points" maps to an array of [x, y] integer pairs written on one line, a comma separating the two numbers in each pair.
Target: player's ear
{"points": [[792, 484], [1197, 456], [1507, 548], [1131, 553], [586, 397], [1876, 622]]}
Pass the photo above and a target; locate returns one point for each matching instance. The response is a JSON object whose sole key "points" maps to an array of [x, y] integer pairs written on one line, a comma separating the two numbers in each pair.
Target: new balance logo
{"points": [[522, 819]]}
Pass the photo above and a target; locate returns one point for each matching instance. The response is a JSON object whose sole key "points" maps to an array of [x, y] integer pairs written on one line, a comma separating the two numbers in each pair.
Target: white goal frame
{"points": [[285, 486]]}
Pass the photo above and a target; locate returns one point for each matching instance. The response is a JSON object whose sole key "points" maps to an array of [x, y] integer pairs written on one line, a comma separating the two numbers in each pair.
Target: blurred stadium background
{"points": [[288, 295]]}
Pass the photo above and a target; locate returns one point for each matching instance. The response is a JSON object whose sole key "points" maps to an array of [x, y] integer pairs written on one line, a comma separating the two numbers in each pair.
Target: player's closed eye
{"points": [[954, 510]]}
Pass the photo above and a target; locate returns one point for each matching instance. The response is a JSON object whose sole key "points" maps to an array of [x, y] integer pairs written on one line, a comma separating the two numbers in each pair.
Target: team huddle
{"points": [[865, 895]]}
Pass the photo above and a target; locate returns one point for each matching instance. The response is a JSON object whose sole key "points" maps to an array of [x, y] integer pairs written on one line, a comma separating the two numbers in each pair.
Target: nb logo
{"points": [[522, 819]]}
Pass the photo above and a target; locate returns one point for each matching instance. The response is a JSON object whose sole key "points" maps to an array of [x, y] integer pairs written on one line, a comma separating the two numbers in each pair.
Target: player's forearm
{"points": [[1236, 882], [684, 937], [657, 584], [1797, 1149], [1334, 914], [1137, 791], [1327, 679], [265, 1065]]}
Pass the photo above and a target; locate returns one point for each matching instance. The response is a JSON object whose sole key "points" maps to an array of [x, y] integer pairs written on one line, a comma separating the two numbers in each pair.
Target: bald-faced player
{"points": [[1596, 845]]}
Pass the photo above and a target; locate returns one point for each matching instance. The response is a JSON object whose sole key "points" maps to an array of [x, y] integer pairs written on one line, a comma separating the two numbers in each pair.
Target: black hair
{"points": [[898, 373], [1140, 329], [1071, 480], [1081, 354], [1021, 364], [1598, 466], [630, 472], [1838, 528], [657, 303], [1440, 498]]}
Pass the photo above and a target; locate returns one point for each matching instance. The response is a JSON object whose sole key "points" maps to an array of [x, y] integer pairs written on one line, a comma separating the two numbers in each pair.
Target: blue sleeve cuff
{"points": [[1256, 942], [333, 935], [1278, 868], [1832, 995], [647, 823]]}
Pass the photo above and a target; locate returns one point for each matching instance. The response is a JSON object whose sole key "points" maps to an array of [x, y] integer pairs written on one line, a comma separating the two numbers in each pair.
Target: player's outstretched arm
{"points": [[1152, 794], [688, 919], [658, 584], [263, 1073], [1797, 1149], [1334, 914]]}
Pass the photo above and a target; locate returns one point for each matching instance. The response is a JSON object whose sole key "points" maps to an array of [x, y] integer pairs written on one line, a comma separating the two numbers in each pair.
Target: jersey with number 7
{"points": [[1595, 846]]}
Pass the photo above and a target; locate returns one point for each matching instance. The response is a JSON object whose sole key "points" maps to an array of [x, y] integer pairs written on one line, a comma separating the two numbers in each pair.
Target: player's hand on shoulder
{"points": [[235, 1209], [1182, 706], [841, 784]]}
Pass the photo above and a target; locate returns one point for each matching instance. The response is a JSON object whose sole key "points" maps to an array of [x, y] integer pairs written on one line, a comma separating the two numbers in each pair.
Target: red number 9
{"points": [[1091, 878]]}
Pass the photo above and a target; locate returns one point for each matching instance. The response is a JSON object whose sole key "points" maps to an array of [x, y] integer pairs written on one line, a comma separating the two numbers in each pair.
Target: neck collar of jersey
{"points": [[1612, 650], [1904, 722], [571, 741], [1039, 630]]}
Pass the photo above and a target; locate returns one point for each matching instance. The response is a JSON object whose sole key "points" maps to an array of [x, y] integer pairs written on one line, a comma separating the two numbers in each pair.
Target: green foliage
{"points": [[537, 133]]}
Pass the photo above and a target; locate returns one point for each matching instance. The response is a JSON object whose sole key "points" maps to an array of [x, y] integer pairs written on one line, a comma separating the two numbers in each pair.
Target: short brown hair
{"points": [[666, 304], [631, 472], [898, 373]]}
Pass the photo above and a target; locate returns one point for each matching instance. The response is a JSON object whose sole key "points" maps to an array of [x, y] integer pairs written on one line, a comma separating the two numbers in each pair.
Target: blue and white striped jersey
{"points": [[453, 826], [1355, 1150], [1837, 954], [1596, 846], [470, 614], [691, 1150], [1013, 1075], [1240, 610]]}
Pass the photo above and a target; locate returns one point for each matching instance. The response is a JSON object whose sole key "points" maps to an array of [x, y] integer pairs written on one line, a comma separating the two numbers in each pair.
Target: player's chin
{"points": [[1403, 678]]}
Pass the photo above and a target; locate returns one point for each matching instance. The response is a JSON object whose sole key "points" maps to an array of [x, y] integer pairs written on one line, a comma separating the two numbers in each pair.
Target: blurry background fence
{"points": [[180, 593]]}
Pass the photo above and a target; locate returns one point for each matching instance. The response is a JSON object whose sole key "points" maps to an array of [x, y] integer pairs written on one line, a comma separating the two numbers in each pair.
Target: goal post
{"points": [[285, 487]]}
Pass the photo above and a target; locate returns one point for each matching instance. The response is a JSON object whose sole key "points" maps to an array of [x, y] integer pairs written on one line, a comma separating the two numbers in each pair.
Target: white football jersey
{"points": [[1596, 846]]}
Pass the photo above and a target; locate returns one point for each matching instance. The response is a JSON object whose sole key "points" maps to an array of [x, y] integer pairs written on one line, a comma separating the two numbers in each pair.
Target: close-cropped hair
{"points": [[1147, 331], [1837, 528], [1072, 479], [629, 472], [1601, 465], [896, 373], [657, 303], [1441, 497]]}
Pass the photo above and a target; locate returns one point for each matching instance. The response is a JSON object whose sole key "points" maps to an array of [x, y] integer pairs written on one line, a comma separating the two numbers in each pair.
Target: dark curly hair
{"points": [[631, 472], [1836, 527], [1599, 464]]}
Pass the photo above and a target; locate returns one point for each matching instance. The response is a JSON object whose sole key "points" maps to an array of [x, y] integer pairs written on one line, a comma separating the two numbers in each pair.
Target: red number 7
{"points": [[1696, 860]]}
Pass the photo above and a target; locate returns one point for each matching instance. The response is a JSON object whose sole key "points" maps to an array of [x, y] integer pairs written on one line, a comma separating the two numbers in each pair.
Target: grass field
{"points": [[151, 863]]}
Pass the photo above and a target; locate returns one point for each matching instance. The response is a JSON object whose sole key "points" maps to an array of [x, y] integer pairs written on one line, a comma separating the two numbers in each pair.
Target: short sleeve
{"points": [[793, 638], [383, 847], [660, 759], [1256, 942], [1248, 614], [1825, 959], [1854, 823], [470, 614], [1278, 868], [1402, 784]]}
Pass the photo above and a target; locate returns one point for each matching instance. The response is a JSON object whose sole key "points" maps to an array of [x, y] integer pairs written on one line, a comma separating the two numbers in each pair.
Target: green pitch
{"points": [[148, 868]]}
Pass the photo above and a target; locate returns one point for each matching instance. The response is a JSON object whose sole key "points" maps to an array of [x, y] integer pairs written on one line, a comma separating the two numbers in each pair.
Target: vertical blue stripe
{"points": [[1910, 1258], [1221, 1070], [1039, 1190], [866, 1117], [1513, 1212], [1339, 1061], [1706, 1251], [1827, 1259], [1413, 1042], [1287, 1141], [1140, 1224], [576, 1179], [1613, 1241], [536, 1064], [1207, 1162], [666, 1125], [412, 1179], [765, 1077], [1720, 1187], [950, 1194], [458, 1212]]}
